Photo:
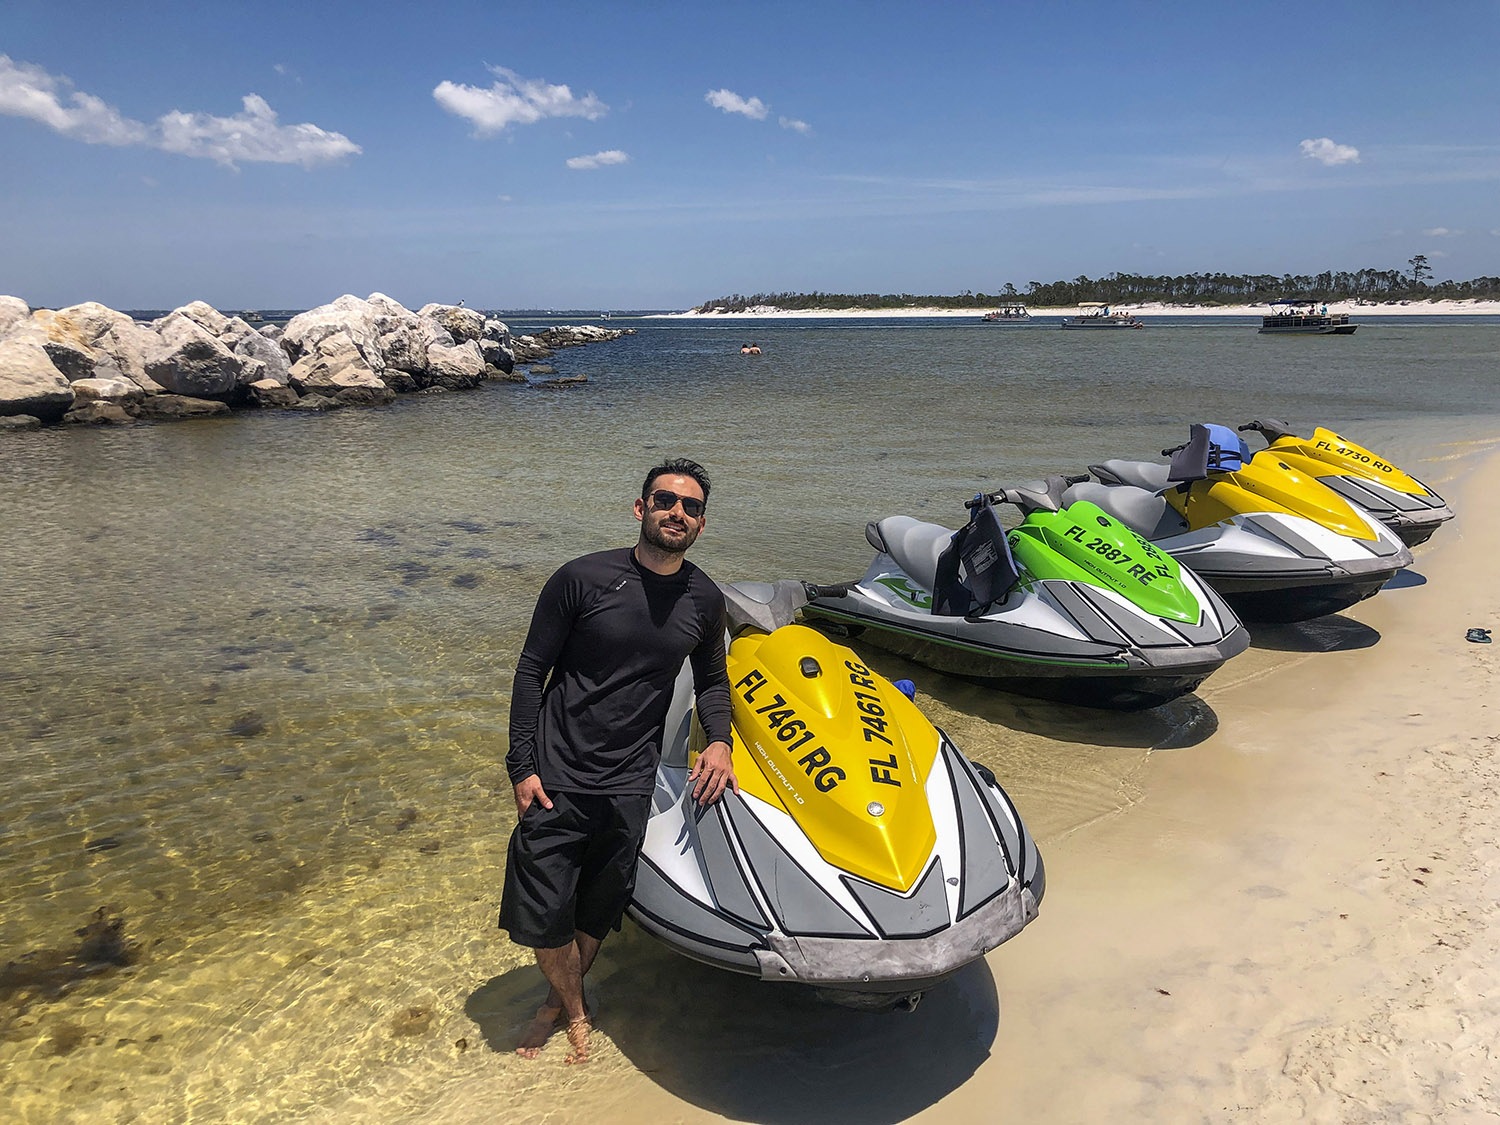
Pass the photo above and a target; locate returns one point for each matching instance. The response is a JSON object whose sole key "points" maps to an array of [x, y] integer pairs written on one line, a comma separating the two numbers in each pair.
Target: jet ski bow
{"points": [[1403, 503], [1275, 541], [1072, 605], [863, 854]]}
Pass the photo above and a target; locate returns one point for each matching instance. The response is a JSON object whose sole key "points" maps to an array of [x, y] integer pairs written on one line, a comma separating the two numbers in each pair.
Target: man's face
{"points": [[670, 529]]}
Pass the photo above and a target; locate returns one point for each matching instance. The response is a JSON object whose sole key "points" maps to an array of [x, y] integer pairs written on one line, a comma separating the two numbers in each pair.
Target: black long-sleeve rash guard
{"points": [[613, 634]]}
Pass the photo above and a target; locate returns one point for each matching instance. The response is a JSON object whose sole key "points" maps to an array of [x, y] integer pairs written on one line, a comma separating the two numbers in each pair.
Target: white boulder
{"points": [[456, 368], [12, 311], [349, 317], [263, 359], [94, 341], [29, 383], [116, 389], [210, 319], [188, 361], [339, 363], [464, 324]]}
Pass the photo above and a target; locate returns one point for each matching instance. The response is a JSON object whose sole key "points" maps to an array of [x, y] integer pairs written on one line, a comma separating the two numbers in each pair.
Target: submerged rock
{"points": [[167, 408], [49, 973], [268, 394], [97, 414], [315, 402], [248, 725]]}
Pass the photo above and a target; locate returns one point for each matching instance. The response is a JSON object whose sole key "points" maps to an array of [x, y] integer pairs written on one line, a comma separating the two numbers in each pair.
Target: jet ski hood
{"points": [[863, 854], [847, 754]]}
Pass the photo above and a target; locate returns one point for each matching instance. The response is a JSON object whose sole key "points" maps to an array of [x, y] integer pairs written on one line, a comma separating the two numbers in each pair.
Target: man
{"points": [[612, 629]]}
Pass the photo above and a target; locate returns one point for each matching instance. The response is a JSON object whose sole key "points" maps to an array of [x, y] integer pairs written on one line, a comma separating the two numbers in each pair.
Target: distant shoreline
{"points": [[1414, 308]]}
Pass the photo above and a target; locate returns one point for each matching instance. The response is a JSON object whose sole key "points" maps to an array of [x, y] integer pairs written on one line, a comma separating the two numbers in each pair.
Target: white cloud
{"points": [[1441, 232], [29, 91], [1438, 254], [254, 135], [730, 102], [599, 159], [800, 126], [514, 100], [1496, 232], [503, 198], [1329, 153]]}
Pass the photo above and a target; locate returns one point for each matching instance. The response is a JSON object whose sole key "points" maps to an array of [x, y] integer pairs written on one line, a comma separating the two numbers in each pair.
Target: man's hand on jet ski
{"points": [[713, 773], [530, 789]]}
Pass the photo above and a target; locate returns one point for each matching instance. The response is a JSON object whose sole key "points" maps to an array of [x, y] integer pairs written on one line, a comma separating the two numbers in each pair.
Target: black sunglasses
{"points": [[664, 500]]}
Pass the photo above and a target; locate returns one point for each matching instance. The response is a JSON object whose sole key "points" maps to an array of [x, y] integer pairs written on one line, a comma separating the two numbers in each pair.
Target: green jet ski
{"points": [[1071, 605]]}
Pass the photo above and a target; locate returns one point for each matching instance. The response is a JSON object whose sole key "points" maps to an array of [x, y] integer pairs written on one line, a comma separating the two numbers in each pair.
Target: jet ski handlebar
{"points": [[1044, 495], [828, 590], [1271, 428]]}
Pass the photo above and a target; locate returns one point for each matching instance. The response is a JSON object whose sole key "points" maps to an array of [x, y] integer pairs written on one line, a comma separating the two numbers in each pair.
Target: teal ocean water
{"points": [[255, 673]]}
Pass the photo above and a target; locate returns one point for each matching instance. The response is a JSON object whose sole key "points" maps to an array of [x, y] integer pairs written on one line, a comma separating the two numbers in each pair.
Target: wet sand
{"points": [[1293, 918]]}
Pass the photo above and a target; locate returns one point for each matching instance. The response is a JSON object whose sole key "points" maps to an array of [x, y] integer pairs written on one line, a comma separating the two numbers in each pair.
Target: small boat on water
{"points": [[1099, 316], [1008, 314], [1304, 318]]}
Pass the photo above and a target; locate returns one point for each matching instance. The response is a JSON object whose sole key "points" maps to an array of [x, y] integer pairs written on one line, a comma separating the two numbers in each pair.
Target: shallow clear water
{"points": [[255, 673]]}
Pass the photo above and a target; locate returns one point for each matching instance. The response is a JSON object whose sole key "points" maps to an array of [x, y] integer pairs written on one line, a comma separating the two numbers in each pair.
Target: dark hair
{"points": [[677, 467]]}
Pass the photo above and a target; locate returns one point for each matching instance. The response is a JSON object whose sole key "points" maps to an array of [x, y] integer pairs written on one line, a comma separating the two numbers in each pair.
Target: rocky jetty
{"points": [[88, 364]]}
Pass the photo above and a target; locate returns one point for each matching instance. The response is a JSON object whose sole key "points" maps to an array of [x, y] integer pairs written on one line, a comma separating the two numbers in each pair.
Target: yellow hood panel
{"points": [[1267, 483], [838, 747], [1325, 450]]}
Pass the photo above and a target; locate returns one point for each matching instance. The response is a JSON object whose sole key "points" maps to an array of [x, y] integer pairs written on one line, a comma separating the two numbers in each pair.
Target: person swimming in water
{"points": [[749, 349]]}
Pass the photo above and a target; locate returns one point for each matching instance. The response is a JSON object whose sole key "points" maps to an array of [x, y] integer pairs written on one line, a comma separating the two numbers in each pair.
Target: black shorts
{"points": [[572, 867]]}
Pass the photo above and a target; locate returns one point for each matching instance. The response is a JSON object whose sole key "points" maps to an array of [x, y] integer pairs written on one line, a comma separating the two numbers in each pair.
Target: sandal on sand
{"points": [[578, 1038]]}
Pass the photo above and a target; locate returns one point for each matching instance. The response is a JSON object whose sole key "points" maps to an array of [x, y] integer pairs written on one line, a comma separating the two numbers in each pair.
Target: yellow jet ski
{"points": [[863, 855], [1401, 502], [1274, 541]]}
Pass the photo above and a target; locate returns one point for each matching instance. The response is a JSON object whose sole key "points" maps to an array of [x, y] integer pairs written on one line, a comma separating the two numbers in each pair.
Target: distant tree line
{"points": [[1131, 288]]}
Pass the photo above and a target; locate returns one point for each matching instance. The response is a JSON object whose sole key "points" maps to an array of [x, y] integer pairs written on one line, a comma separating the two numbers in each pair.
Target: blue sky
{"points": [[655, 155]]}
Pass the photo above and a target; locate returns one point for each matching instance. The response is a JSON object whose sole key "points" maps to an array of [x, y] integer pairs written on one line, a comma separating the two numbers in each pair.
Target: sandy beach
{"points": [[1292, 919], [1154, 308]]}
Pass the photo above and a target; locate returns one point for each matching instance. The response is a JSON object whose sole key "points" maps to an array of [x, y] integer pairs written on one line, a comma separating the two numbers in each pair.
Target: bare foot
{"points": [[578, 1038], [538, 1031]]}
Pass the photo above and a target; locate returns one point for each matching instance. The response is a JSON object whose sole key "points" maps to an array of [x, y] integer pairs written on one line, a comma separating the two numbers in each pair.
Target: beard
{"points": [[653, 532]]}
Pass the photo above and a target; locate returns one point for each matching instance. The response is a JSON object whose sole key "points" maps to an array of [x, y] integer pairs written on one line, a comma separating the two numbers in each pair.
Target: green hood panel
{"points": [[1082, 544]]}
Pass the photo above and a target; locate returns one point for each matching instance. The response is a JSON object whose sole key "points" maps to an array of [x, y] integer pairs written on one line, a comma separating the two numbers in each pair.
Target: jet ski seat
{"points": [[1150, 475], [1145, 513], [916, 546]]}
